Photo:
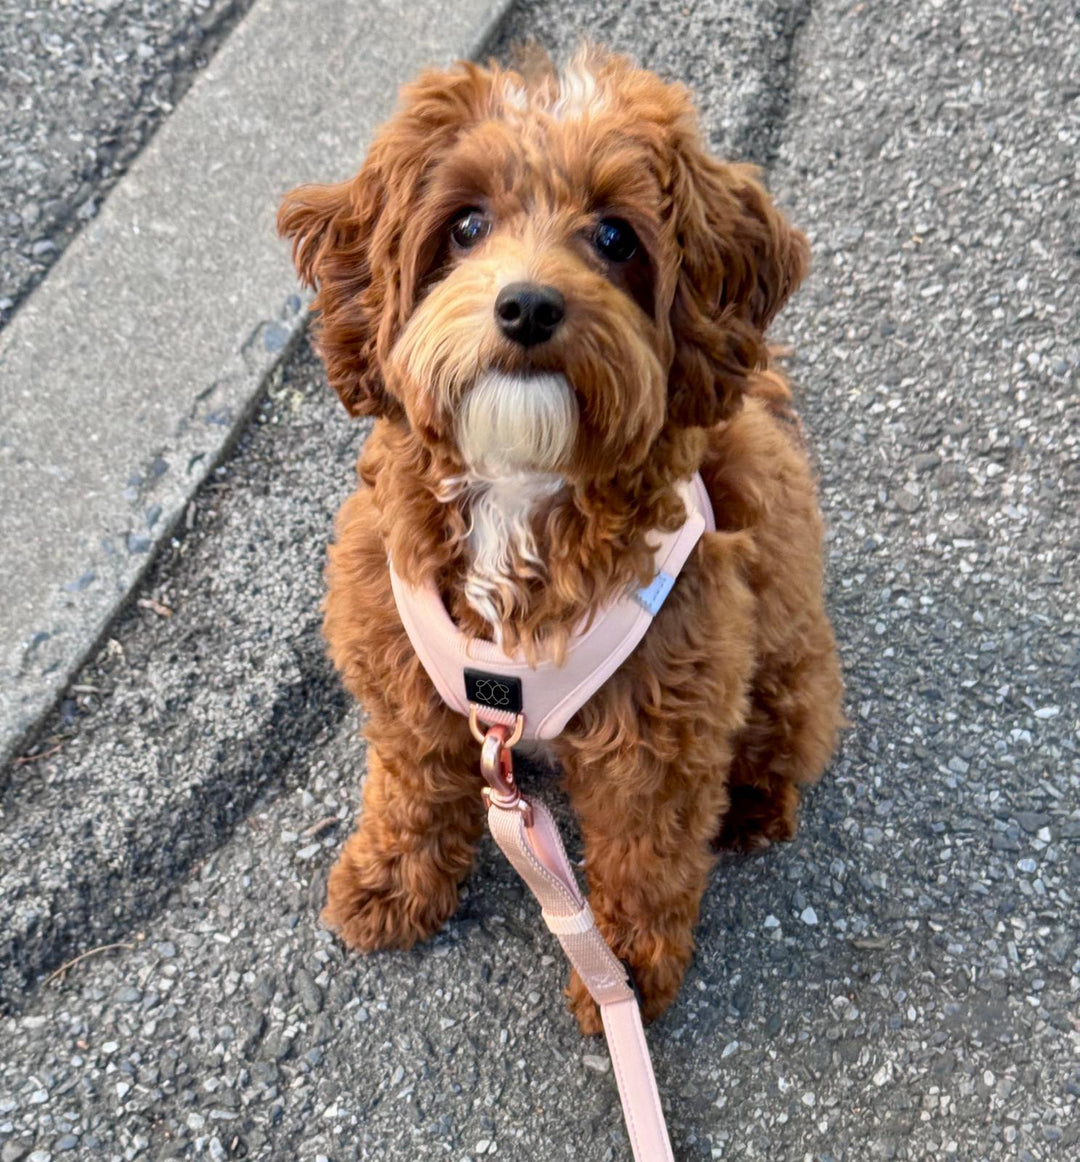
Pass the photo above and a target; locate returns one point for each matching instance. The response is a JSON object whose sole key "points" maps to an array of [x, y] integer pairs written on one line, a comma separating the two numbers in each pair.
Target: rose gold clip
{"points": [[497, 764]]}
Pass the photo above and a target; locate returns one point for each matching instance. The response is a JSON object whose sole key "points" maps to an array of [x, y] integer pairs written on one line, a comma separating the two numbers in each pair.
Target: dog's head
{"points": [[540, 271]]}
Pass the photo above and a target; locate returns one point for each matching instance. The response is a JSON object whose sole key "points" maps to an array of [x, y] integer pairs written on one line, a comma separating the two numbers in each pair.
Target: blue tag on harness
{"points": [[653, 597]]}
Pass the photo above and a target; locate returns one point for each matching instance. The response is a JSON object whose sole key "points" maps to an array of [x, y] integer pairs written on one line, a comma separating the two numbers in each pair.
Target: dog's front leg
{"points": [[647, 828], [396, 881]]}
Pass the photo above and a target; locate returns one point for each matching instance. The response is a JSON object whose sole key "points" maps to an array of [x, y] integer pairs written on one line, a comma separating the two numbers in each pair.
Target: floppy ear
{"points": [[740, 262], [316, 219], [331, 228], [360, 242]]}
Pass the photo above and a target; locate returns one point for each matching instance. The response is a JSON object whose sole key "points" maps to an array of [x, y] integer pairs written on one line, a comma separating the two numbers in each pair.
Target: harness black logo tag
{"points": [[493, 691]]}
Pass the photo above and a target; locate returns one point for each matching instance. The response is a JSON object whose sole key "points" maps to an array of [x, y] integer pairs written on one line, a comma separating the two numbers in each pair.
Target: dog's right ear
{"points": [[360, 243], [317, 219], [331, 227]]}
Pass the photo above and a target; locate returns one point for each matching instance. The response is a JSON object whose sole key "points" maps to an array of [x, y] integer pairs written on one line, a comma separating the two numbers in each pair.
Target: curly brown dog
{"points": [[555, 302]]}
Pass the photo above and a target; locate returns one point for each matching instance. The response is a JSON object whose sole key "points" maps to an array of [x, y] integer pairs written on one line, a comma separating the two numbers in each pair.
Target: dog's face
{"points": [[541, 272]]}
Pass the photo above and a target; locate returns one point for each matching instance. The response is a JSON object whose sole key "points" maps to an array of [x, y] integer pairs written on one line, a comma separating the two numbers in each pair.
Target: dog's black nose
{"points": [[528, 313]]}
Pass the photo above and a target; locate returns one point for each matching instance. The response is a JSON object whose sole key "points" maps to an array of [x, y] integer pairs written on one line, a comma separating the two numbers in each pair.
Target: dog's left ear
{"points": [[740, 260]]}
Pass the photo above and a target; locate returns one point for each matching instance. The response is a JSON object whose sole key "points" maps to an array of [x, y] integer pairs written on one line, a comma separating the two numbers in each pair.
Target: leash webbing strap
{"points": [[529, 838]]}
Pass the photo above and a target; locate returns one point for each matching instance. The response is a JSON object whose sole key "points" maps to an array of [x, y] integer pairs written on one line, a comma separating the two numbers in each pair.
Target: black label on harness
{"points": [[493, 691]]}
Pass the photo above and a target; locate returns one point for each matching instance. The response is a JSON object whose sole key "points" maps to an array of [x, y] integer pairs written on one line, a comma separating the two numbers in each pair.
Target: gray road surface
{"points": [[83, 86], [901, 982]]}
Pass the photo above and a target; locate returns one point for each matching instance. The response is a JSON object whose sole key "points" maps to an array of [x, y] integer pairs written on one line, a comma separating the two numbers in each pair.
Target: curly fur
{"points": [[731, 703]]}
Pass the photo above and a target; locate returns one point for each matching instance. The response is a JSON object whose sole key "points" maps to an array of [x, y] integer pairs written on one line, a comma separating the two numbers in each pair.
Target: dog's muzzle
{"points": [[517, 422]]}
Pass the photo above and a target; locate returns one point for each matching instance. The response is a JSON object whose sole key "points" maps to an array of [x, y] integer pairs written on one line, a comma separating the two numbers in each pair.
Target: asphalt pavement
{"points": [[900, 982], [85, 85]]}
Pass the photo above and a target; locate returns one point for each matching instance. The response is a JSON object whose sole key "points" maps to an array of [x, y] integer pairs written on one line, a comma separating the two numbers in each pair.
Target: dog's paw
{"points": [[756, 819], [584, 1008], [742, 841], [370, 912], [656, 987]]}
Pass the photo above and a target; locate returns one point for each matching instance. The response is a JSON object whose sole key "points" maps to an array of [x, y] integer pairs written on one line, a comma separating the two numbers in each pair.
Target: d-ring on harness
{"points": [[495, 699]]}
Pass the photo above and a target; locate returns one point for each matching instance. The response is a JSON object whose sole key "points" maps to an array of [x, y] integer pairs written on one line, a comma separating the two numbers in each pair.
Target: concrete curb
{"points": [[125, 377]]}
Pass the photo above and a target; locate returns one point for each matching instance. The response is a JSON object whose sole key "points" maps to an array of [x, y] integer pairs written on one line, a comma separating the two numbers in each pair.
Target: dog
{"points": [[554, 302]]}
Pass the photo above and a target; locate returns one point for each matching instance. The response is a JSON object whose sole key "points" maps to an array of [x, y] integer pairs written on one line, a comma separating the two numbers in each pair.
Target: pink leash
{"points": [[498, 690], [530, 840]]}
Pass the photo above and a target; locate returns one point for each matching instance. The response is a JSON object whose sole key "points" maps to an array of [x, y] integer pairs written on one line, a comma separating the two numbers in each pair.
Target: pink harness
{"points": [[515, 700], [478, 676]]}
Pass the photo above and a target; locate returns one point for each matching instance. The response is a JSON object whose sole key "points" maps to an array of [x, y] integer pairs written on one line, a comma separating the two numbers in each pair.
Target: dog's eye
{"points": [[472, 227], [616, 240]]}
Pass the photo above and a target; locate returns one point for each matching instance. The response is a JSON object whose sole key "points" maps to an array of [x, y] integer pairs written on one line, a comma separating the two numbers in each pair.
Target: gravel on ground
{"points": [[85, 84]]}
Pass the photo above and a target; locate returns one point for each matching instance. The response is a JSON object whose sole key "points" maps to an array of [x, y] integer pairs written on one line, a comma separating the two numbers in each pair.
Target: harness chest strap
{"points": [[547, 694]]}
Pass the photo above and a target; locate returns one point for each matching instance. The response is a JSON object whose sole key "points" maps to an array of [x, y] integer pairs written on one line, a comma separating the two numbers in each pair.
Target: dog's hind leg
{"points": [[789, 736]]}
